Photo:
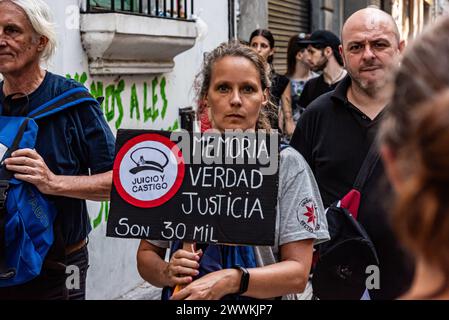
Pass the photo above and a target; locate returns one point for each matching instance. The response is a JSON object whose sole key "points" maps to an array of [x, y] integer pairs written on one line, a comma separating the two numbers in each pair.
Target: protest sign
{"points": [[207, 188]]}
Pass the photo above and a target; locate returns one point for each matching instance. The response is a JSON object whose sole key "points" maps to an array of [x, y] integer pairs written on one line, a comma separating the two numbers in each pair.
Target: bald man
{"points": [[336, 131]]}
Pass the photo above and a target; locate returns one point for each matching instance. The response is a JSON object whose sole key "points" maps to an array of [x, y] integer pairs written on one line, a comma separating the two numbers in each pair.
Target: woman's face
{"points": [[235, 94], [302, 57], [262, 46]]}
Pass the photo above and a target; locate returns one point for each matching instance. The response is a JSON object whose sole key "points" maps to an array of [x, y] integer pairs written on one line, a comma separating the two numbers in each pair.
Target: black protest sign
{"points": [[208, 188]]}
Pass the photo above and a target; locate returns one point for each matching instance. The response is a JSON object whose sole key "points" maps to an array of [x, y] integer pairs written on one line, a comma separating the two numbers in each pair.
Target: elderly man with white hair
{"points": [[73, 155]]}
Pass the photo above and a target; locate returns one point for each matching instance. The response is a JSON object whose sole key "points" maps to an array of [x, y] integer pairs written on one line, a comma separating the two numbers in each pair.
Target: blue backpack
{"points": [[26, 215]]}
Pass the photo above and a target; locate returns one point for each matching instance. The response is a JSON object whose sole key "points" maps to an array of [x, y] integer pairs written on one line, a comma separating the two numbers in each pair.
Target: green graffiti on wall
{"points": [[113, 109], [164, 99], [104, 209], [134, 104]]}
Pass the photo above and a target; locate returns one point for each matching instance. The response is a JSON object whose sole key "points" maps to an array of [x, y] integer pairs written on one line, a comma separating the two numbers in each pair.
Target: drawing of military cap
{"points": [[141, 157]]}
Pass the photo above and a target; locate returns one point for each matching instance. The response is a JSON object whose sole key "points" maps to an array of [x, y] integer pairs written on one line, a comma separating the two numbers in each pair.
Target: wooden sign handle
{"points": [[188, 246]]}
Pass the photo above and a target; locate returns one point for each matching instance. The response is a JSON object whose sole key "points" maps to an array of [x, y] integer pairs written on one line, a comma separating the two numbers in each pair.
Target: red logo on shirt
{"points": [[307, 215], [310, 214]]}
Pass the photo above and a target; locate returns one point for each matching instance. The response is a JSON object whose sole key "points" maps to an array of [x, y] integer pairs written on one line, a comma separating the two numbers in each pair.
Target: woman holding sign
{"points": [[234, 83]]}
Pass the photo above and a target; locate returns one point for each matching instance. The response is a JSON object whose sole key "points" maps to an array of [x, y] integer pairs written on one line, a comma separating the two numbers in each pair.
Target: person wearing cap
{"points": [[298, 71], [337, 129], [324, 56]]}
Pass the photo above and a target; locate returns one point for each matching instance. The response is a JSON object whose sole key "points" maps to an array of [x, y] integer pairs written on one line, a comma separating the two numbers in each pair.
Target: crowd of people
{"points": [[338, 98]]}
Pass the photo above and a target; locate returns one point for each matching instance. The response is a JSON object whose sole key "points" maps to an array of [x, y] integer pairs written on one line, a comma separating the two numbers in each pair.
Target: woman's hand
{"points": [[212, 286], [182, 267]]}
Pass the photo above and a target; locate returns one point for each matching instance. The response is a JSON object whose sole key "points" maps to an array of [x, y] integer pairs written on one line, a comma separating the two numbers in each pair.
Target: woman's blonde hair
{"points": [[234, 49]]}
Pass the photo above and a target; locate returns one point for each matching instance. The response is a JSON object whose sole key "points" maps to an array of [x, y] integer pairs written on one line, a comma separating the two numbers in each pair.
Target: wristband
{"points": [[244, 280]]}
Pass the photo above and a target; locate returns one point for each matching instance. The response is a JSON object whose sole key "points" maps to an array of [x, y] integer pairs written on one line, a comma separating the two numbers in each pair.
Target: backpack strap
{"points": [[351, 201], [3, 189], [367, 167], [55, 259], [67, 99], [5, 174], [5, 272]]}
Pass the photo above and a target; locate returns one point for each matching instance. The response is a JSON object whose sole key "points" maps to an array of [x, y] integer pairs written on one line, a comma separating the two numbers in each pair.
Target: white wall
{"points": [[112, 269]]}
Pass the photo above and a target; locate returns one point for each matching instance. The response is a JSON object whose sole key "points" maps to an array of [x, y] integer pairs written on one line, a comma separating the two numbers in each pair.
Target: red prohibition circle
{"points": [[176, 185]]}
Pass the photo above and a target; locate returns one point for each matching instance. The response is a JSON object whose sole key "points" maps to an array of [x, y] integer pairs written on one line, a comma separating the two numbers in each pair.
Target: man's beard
{"points": [[321, 64], [371, 88]]}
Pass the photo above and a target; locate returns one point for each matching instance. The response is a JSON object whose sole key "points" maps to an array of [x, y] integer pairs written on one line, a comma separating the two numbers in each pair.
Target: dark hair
{"points": [[233, 49], [416, 128], [423, 73], [267, 35], [294, 46], [335, 51], [421, 211]]}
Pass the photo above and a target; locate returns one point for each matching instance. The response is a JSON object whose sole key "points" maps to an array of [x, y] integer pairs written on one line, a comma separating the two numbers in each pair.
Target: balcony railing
{"points": [[170, 9], [136, 37]]}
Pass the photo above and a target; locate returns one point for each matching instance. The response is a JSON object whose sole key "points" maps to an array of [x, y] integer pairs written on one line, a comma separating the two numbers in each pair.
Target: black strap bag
{"points": [[340, 270]]}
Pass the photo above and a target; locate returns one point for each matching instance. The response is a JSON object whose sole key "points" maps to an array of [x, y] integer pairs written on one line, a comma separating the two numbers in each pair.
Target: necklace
{"points": [[337, 78]]}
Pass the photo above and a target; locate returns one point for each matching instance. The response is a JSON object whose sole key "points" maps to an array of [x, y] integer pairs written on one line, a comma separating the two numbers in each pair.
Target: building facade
{"points": [[286, 18], [412, 16], [289, 17]]}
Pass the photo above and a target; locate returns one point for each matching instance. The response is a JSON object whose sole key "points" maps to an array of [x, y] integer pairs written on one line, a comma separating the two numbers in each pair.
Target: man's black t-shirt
{"points": [[334, 137], [313, 89]]}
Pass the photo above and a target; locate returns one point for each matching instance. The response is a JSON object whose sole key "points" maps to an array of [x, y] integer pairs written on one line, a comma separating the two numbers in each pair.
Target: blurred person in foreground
{"points": [[414, 146]]}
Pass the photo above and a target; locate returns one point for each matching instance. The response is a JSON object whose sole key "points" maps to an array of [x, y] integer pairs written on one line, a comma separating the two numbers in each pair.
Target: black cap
{"points": [[323, 37]]}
